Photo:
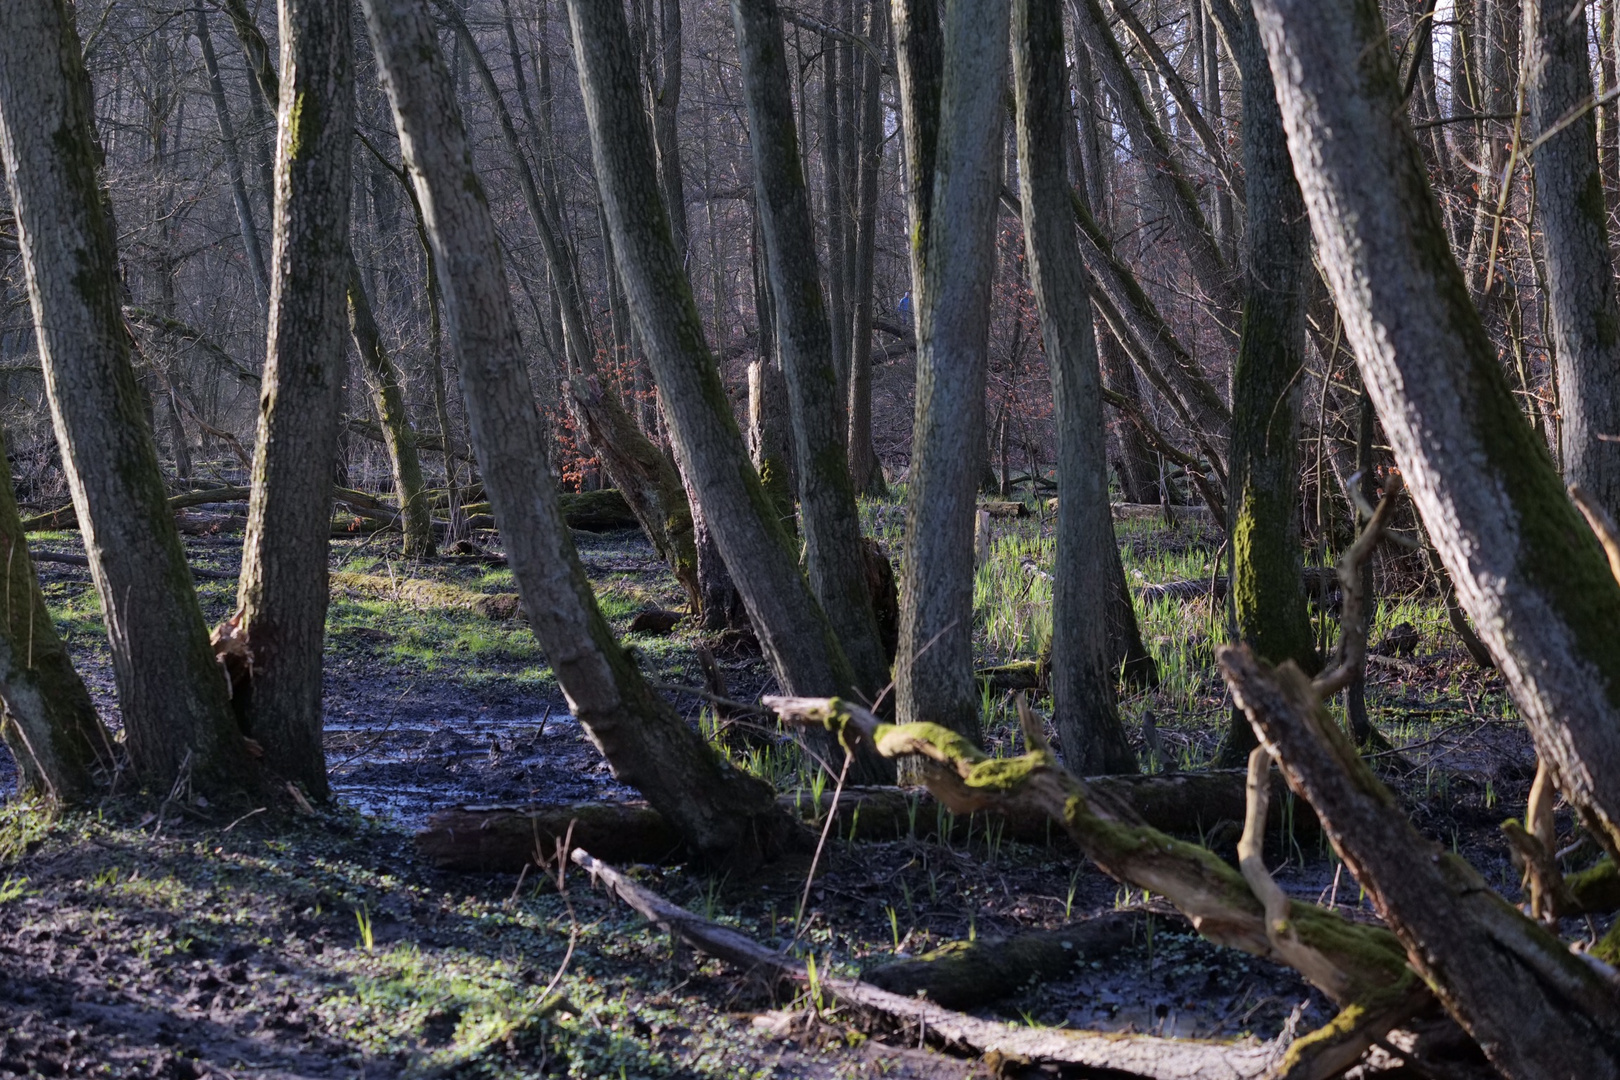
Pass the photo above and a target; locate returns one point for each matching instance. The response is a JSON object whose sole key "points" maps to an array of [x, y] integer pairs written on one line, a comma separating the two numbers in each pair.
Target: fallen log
{"points": [[965, 974], [1320, 583], [68, 558], [361, 503], [500, 839], [1015, 675], [430, 594], [1137, 1055], [1005, 509]]}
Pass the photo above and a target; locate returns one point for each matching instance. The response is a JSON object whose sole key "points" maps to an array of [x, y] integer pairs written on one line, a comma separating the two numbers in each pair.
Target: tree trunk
{"points": [[792, 629], [1530, 574], [388, 399], [828, 516], [233, 163], [724, 814], [176, 712], [934, 666], [1265, 552], [1572, 213], [281, 602], [1082, 680], [863, 463], [50, 725], [1537, 1010]]}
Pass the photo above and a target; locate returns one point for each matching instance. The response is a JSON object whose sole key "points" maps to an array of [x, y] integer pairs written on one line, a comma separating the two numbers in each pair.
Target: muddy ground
{"points": [[152, 939]]}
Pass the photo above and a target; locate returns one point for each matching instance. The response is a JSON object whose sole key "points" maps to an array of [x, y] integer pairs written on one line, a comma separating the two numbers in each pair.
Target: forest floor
{"points": [[155, 939]]}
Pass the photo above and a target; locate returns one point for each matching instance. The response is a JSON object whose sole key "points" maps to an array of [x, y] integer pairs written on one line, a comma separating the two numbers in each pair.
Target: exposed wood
{"points": [[1135, 1055]]}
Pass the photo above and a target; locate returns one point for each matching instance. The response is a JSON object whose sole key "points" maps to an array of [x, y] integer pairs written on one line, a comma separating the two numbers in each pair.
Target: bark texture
{"points": [[792, 629], [281, 602], [725, 815], [1529, 573], [829, 520], [953, 240], [173, 699], [50, 725], [1082, 680], [1572, 213]]}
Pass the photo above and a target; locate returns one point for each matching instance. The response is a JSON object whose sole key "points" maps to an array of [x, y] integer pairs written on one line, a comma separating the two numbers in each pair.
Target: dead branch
{"points": [[1350, 658], [1138, 1055]]}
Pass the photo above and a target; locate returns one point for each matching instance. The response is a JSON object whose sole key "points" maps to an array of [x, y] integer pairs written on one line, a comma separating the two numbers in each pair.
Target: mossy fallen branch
{"points": [[433, 594]]}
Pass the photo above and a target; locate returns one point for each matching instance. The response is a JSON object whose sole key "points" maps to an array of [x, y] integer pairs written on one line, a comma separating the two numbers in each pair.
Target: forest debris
{"points": [[1005, 509], [68, 558], [425, 593], [488, 839], [1536, 1009], [1015, 675], [1138, 1055], [1320, 584], [965, 974]]}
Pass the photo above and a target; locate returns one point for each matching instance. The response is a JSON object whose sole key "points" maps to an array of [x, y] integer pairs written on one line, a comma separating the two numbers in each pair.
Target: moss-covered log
{"points": [[964, 974], [432, 594]]}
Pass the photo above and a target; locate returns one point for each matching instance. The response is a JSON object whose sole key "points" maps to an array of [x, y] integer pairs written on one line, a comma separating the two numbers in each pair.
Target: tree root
{"points": [[1136, 1055]]}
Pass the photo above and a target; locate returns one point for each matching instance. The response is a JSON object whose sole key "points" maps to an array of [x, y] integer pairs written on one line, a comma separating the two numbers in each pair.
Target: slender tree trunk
{"points": [[1082, 679], [176, 712], [388, 400], [863, 462], [283, 593], [50, 725], [1531, 576], [794, 632], [1572, 213], [1267, 559], [829, 519], [953, 242], [726, 815], [233, 163], [833, 152]]}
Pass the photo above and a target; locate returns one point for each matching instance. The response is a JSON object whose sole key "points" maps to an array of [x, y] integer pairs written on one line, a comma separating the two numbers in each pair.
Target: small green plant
{"points": [[362, 915], [1068, 901], [894, 926], [813, 982], [12, 888]]}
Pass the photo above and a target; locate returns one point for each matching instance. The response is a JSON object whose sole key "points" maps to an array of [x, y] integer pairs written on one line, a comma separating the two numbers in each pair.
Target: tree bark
{"points": [[828, 516], [50, 725], [727, 816], [281, 602], [934, 666], [864, 469], [1536, 1009], [1573, 215], [1082, 680], [1265, 551], [251, 247], [1530, 574], [794, 632], [176, 713]]}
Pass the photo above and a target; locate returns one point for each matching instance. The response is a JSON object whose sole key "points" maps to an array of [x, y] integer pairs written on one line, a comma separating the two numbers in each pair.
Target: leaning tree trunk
{"points": [[176, 712], [1267, 559], [800, 643], [251, 247], [829, 519], [725, 815], [953, 242], [1572, 213], [1082, 678], [1528, 570], [281, 602], [50, 725], [863, 463]]}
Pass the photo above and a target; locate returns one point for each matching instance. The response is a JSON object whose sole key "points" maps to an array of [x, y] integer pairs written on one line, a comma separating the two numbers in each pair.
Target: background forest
{"points": [[1031, 538]]}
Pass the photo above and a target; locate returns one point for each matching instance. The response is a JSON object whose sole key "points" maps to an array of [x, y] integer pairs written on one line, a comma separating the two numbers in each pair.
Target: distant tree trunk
{"points": [[1206, 46], [833, 153], [829, 519], [727, 816], [50, 725], [1529, 573], [798, 640], [388, 400], [1572, 214], [282, 599], [1082, 679], [863, 463], [233, 163], [176, 713], [953, 239], [1495, 46], [1267, 559]]}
